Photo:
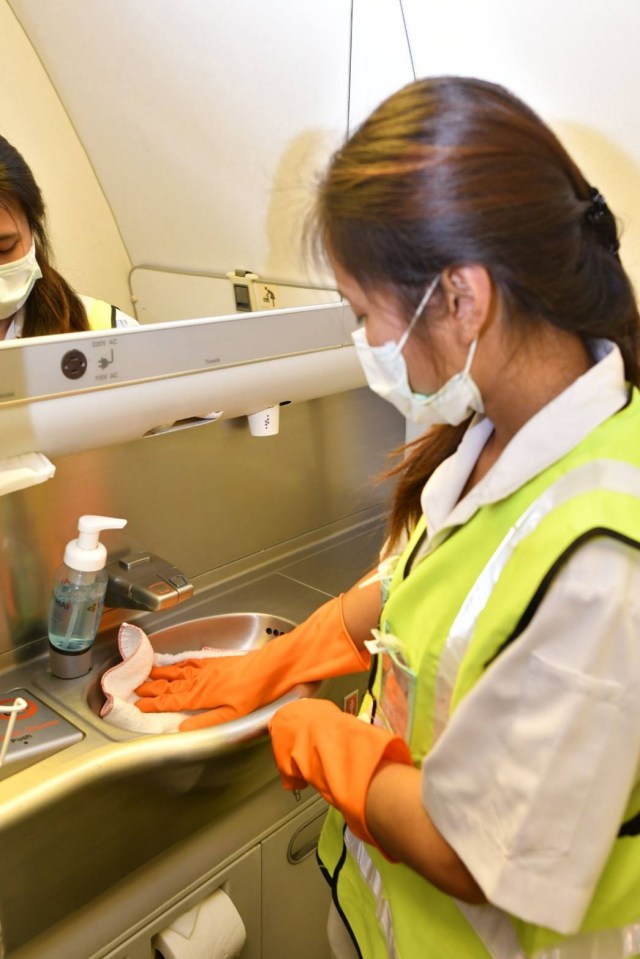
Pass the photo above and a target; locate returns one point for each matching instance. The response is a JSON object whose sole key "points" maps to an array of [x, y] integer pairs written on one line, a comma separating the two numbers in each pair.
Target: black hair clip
{"points": [[597, 208], [600, 218]]}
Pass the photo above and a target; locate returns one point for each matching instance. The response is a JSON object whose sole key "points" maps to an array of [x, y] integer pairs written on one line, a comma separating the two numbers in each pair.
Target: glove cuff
{"points": [[362, 657], [393, 749]]}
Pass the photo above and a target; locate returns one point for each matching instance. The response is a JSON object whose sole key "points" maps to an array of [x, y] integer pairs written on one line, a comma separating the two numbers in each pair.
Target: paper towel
{"points": [[211, 930]]}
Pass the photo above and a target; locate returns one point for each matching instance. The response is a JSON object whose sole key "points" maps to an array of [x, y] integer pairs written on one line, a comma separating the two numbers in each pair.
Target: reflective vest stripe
{"points": [[536, 599], [613, 475], [496, 932], [621, 943], [494, 929], [373, 879], [493, 926]]}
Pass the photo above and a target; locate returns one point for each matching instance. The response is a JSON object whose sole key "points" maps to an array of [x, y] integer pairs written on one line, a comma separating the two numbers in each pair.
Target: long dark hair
{"points": [[453, 170], [52, 306]]}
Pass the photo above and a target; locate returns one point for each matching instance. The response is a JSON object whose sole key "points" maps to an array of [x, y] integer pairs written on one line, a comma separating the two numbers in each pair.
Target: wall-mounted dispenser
{"points": [[28, 469], [243, 291], [265, 422], [250, 293], [144, 581]]}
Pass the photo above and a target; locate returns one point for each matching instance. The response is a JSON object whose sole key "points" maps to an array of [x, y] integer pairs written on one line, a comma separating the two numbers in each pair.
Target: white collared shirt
{"points": [[531, 777], [542, 441]]}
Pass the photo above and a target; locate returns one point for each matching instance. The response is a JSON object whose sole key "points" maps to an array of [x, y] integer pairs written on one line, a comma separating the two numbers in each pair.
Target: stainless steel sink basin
{"points": [[116, 801], [231, 631], [164, 811]]}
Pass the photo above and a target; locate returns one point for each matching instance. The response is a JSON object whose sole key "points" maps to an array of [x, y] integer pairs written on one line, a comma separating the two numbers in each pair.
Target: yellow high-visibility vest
{"points": [[505, 555]]}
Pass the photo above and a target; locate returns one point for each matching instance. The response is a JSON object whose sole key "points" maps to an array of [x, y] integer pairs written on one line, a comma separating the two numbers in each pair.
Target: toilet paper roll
{"points": [[211, 930]]}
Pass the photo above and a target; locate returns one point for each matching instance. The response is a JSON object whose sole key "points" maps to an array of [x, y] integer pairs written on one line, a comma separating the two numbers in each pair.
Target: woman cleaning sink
{"points": [[486, 801]]}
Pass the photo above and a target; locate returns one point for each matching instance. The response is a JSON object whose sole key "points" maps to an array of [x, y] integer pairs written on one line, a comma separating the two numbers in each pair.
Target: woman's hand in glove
{"points": [[316, 744], [365, 771], [233, 686]]}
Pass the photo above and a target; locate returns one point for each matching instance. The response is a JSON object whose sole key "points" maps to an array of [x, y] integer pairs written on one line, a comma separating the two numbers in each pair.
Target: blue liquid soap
{"points": [[77, 598], [76, 607]]}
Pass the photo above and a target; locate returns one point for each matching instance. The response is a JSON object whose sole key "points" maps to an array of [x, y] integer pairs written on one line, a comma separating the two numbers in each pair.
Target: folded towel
{"points": [[120, 682]]}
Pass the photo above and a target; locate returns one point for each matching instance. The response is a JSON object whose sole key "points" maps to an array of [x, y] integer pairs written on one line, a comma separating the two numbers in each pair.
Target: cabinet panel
{"points": [[240, 881], [295, 897]]}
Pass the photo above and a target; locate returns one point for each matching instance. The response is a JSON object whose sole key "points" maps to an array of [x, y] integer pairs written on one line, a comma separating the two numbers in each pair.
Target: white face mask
{"points": [[16, 282], [386, 372]]}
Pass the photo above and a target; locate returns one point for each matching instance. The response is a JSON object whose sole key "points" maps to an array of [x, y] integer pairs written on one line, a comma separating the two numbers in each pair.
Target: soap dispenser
{"points": [[77, 598]]}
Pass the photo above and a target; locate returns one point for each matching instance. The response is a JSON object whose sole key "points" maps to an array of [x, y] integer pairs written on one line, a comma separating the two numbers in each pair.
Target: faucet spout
{"points": [[144, 581]]}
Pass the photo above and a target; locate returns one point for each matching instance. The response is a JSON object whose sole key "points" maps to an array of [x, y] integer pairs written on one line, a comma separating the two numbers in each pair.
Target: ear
{"points": [[469, 295]]}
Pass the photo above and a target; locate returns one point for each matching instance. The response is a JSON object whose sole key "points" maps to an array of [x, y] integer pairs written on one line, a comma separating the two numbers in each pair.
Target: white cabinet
{"points": [[295, 896], [277, 888], [240, 881]]}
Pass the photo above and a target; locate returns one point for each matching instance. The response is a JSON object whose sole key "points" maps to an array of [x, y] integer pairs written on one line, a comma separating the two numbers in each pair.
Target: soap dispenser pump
{"points": [[77, 598]]}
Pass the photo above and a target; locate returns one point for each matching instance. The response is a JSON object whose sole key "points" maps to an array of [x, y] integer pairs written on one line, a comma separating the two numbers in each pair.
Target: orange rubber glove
{"points": [[316, 744], [232, 686]]}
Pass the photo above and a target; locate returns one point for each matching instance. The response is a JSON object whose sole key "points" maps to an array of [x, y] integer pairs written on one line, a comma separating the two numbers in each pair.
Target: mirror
{"points": [[78, 391], [177, 142], [203, 128]]}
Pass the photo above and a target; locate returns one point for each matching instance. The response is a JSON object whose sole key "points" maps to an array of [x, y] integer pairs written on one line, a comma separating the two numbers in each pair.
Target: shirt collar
{"points": [[14, 330], [544, 439]]}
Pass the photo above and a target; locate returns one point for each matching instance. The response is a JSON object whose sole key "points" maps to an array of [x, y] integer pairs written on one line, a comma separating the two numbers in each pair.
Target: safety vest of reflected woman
{"points": [[35, 300], [486, 801]]}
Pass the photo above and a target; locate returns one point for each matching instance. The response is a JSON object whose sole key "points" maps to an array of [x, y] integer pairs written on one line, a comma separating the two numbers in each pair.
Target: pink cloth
{"points": [[120, 682]]}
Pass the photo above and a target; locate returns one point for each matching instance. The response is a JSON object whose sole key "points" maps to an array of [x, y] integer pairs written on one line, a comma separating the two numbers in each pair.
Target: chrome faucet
{"points": [[144, 581]]}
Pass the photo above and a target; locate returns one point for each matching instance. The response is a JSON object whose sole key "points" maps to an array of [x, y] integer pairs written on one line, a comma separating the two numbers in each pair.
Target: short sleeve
{"points": [[123, 319], [530, 780]]}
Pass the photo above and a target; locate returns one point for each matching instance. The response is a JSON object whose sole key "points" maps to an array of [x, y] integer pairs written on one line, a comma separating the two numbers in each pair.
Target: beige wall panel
{"points": [[88, 247], [573, 61]]}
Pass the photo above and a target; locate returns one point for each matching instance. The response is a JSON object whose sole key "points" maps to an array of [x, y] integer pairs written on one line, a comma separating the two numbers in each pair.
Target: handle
{"points": [[16, 707], [304, 841]]}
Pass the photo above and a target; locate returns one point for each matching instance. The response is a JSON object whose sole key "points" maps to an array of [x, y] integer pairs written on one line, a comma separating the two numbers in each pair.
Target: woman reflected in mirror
{"points": [[35, 300]]}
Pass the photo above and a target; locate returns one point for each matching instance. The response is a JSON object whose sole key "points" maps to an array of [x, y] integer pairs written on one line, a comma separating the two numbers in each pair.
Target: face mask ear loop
{"points": [[470, 356], [416, 316]]}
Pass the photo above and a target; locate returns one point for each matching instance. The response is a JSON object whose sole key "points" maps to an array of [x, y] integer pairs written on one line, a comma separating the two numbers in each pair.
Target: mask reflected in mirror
{"points": [[17, 279]]}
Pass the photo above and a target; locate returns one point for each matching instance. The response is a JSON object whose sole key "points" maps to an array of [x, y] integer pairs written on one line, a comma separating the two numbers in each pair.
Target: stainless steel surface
{"points": [[107, 807], [38, 732], [236, 631], [214, 499], [234, 853], [143, 581], [275, 525], [231, 631], [329, 569], [69, 665]]}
